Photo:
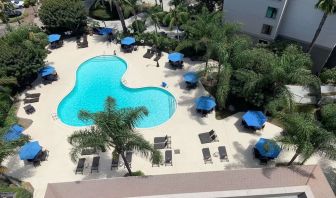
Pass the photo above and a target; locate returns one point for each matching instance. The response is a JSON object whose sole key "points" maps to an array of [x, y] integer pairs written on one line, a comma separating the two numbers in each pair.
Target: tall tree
{"points": [[176, 17], [112, 128], [153, 15], [304, 134], [328, 7], [63, 15]]}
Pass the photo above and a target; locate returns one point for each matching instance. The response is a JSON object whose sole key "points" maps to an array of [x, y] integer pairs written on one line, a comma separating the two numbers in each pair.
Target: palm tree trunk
{"points": [[304, 161], [178, 36], [293, 158], [121, 15], [318, 31], [126, 163], [155, 28]]}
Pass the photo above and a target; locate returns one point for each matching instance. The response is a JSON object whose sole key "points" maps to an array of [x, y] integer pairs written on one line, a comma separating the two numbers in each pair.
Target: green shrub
{"points": [[19, 192], [63, 15], [136, 173], [328, 76], [138, 24]]}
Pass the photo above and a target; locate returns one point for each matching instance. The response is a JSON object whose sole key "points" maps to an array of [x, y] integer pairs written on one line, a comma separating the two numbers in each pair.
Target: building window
{"points": [[266, 29], [271, 12]]}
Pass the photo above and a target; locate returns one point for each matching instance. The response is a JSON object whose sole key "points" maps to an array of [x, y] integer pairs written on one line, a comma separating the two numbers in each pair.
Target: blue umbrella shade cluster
{"points": [[254, 119], [105, 31], [205, 104], [267, 148], [175, 57], [47, 70], [128, 41], [13, 133], [30, 150], [53, 38], [191, 79]]}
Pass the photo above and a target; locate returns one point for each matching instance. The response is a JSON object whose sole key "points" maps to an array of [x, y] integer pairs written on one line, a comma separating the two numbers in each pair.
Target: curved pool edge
{"points": [[123, 84]]}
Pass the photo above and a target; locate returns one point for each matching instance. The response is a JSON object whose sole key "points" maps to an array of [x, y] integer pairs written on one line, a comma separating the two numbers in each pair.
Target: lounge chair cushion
{"points": [[80, 165], [222, 153], [168, 157]]}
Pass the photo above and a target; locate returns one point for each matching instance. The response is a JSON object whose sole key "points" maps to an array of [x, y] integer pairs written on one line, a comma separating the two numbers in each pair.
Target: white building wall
{"points": [[251, 14], [301, 19]]}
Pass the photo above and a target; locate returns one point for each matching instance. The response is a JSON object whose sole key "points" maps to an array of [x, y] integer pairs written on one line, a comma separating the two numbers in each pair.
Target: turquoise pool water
{"points": [[100, 77]]}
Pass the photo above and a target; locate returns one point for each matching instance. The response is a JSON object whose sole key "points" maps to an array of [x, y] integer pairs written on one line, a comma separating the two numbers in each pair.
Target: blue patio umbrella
{"points": [[254, 119], [268, 148], [190, 77], [105, 31], [175, 56], [128, 40], [47, 70], [205, 103], [53, 37], [29, 150], [13, 133]]}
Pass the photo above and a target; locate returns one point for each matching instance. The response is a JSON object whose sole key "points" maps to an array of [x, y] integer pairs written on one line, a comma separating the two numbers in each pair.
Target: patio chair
{"points": [[95, 164], [115, 161], [263, 161], [168, 158], [162, 139], [129, 155], [208, 137], [44, 155], [158, 56], [223, 154], [80, 166], [206, 155], [34, 95], [29, 109], [30, 100], [148, 54], [161, 145]]}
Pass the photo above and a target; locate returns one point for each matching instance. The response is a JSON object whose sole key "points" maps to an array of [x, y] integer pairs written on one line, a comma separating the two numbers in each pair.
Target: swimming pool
{"points": [[100, 77]]}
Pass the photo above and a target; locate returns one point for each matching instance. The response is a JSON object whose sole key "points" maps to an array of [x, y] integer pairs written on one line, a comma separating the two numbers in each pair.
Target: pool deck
{"points": [[183, 127]]}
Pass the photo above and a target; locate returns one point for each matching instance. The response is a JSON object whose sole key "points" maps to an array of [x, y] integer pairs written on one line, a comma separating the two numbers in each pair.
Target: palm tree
{"points": [[305, 135], [298, 129], [328, 7], [175, 18], [112, 128], [119, 11], [154, 16]]}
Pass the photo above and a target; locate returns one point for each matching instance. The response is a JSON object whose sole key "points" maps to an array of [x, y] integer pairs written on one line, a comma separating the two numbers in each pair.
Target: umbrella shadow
{"points": [[243, 157], [19, 169]]}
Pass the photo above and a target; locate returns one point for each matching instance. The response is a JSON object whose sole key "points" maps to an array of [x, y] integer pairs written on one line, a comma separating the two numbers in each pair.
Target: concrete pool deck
{"points": [[183, 127]]}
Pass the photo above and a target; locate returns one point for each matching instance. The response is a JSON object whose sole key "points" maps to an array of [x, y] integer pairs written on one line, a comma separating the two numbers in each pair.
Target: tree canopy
{"points": [[63, 15], [22, 54]]}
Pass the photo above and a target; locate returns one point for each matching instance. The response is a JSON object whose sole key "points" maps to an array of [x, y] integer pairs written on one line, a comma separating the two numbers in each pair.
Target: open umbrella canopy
{"points": [[128, 40], [254, 119], [190, 77], [268, 148], [47, 70], [53, 37], [175, 56], [105, 31], [13, 133], [205, 103], [29, 150]]}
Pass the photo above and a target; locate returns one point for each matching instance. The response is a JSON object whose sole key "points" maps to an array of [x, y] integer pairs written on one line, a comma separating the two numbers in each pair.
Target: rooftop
{"points": [[257, 182]]}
